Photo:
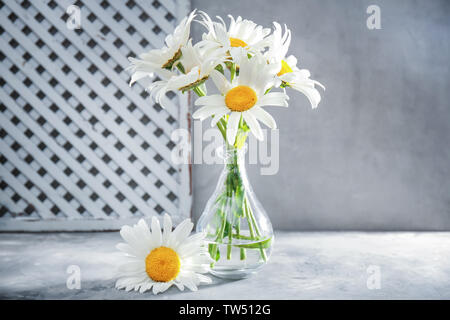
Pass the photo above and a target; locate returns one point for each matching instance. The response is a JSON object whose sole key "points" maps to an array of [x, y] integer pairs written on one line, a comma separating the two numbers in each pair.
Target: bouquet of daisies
{"points": [[251, 69], [246, 62]]}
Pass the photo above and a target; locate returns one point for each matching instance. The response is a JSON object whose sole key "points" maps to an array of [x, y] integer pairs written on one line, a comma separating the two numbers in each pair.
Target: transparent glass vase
{"points": [[239, 232]]}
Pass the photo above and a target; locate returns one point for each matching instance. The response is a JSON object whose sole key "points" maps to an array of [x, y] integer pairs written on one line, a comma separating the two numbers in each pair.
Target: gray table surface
{"points": [[303, 265]]}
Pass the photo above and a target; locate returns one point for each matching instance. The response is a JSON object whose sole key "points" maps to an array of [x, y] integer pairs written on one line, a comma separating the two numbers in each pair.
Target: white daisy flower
{"points": [[196, 67], [243, 97], [299, 80], [240, 33], [157, 260], [161, 61], [289, 74], [278, 45]]}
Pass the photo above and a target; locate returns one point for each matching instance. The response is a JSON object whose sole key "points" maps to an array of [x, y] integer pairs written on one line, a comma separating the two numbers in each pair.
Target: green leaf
{"points": [[196, 85], [219, 68], [239, 202], [214, 251], [227, 228], [257, 245]]}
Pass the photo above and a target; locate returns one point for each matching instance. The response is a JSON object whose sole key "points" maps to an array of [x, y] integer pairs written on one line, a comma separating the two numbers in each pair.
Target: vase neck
{"points": [[234, 156]]}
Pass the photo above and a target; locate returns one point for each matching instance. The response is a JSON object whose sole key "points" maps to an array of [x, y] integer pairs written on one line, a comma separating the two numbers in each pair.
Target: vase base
{"points": [[233, 274]]}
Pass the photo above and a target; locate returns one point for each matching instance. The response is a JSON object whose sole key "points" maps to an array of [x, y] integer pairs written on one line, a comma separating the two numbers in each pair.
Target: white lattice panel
{"points": [[79, 149]]}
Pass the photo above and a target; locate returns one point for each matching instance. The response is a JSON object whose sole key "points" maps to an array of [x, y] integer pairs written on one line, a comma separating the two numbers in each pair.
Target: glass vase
{"points": [[239, 232]]}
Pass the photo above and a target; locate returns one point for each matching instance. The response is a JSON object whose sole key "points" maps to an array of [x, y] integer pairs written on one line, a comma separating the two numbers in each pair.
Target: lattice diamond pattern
{"points": [[76, 143]]}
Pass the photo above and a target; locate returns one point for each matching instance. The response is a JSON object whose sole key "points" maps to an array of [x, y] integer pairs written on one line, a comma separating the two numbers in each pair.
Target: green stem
{"points": [[237, 235], [199, 91], [219, 234], [180, 67], [250, 227], [230, 235], [232, 71], [251, 220], [233, 185], [252, 217], [222, 128], [241, 237]]}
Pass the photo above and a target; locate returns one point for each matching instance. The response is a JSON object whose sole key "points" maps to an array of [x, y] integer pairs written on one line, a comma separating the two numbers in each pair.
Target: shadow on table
{"points": [[102, 290]]}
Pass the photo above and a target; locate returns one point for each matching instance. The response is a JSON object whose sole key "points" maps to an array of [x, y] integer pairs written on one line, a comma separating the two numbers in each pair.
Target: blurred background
{"points": [[375, 154], [80, 150]]}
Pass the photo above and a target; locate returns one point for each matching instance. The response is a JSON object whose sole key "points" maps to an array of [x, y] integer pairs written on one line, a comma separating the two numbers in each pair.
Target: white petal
{"points": [[143, 226], [319, 84], [188, 251], [188, 282], [218, 116], [130, 282], [312, 94], [197, 237], [274, 99], [146, 286], [232, 126], [179, 285], [303, 73], [167, 223], [165, 285], [263, 116], [253, 125], [185, 227], [183, 230], [220, 81], [199, 268], [204, 279], [194, 241], [200, 113], [156, 287], [126, 248], [291, 61], [212, 100], [132, 267], [247, 68], [146, 239], [207, 111], [138, 75], [156, 232], [129, 235]]}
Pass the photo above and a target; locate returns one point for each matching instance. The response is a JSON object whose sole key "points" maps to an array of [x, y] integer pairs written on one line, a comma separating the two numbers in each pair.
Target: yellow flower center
{"points": [[234, 42], [240, 98], [162, 264], [284, 68]]}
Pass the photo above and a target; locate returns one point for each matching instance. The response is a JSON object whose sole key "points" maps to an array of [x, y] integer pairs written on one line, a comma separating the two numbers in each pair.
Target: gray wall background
{"points": [[375, 155]]}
